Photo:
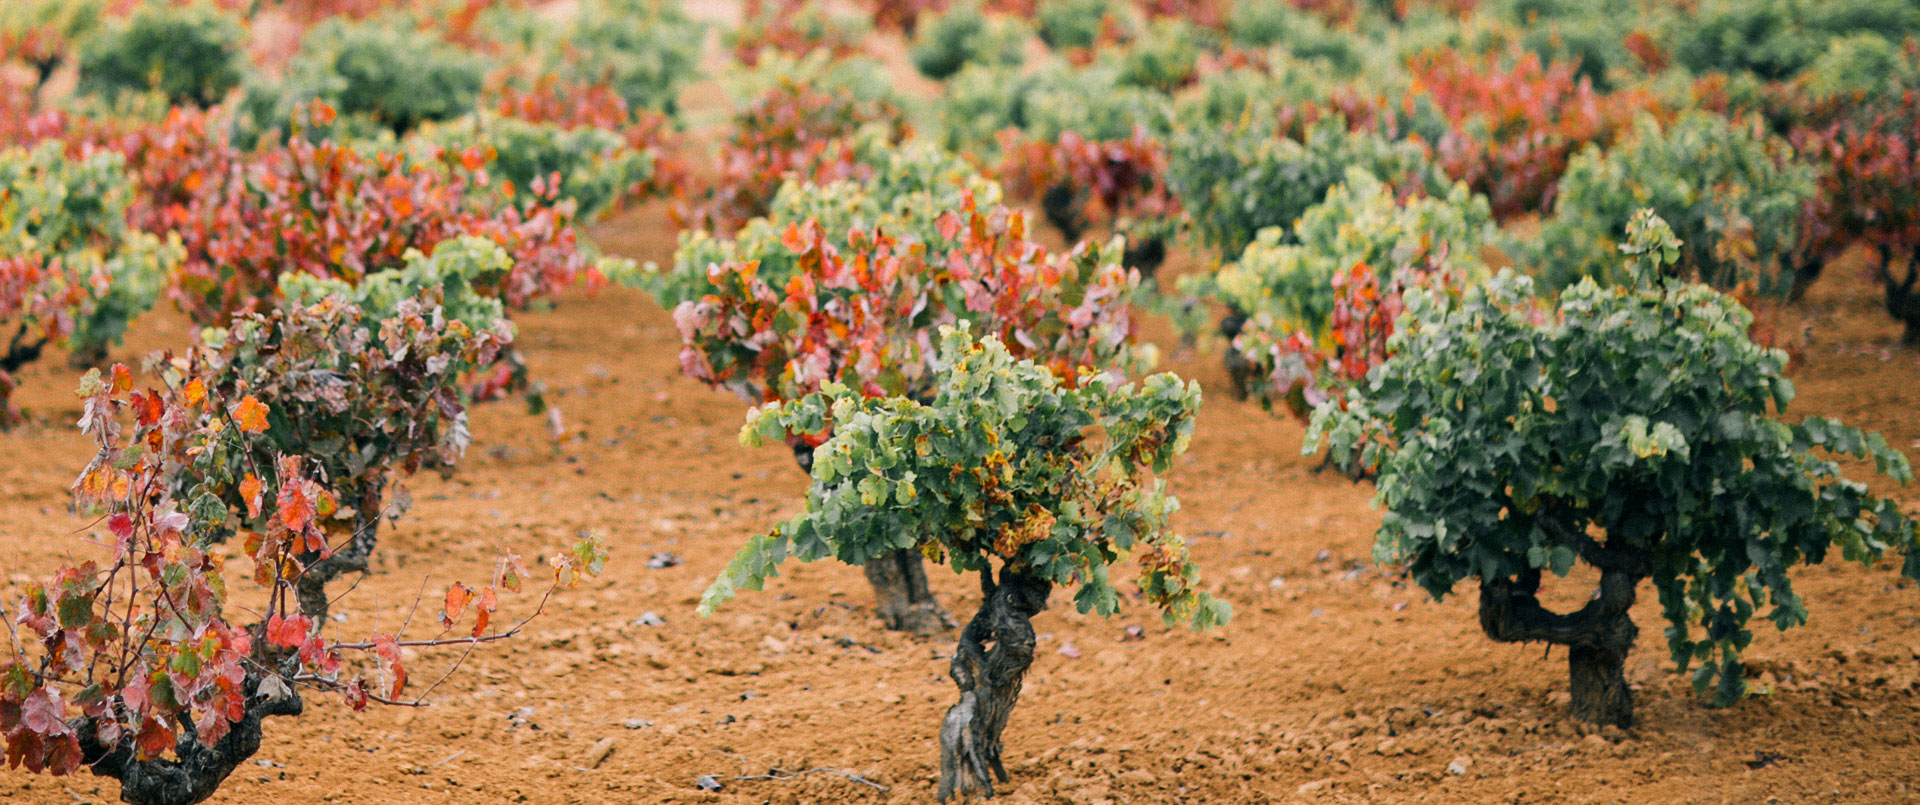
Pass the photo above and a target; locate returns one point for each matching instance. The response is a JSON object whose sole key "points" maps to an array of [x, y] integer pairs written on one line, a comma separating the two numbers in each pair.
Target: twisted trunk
{"points": [[1804, 272], [1240, 370], [989, 681], [352, 557], [1145, 255], [899, 579], [1598, 636], [199, 769], [20, 351], [87, 356], [1061, 204], [1903, 300]]}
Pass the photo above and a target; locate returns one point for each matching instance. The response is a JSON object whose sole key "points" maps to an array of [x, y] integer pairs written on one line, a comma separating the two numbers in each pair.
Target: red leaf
{"points": [[288, 632], [155, 737], [121, 525], [43, 713], [63, 756], [457, 597]]}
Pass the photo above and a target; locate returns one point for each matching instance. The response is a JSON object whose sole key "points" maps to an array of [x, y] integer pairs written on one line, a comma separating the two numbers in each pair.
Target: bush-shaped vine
{"points": [[378, 72], [1006, 462], [1245, 177], [40, 34], [1070, 24], [1285, 291], [595, 168], [322, 361], [71, 271], [189, 53], [1869, 192], [145, 668], [645, 49], [1731, 193], [1636, 429], [964, 35]]}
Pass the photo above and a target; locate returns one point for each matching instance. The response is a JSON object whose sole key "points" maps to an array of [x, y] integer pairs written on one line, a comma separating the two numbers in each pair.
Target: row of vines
{"points": [[1513, 260]]}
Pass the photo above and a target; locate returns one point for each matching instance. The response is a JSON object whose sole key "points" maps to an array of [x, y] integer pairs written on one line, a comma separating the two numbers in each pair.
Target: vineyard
{"points": [[1077, 401]]}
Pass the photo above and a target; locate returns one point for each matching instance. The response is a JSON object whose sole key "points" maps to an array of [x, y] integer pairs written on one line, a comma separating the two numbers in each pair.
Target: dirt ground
{"points": [[1335, 681]]}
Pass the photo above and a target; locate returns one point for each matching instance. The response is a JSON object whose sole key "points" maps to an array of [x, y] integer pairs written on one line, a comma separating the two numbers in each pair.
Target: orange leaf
{"points": [[251, 415], [195, 391], [250, 490], [457, 597]]}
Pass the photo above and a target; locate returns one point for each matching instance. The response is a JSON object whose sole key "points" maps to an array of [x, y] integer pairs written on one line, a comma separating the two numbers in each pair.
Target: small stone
{"points": [[707, 782], [1317, 785], [1136, 777], [1459, 766], [649, 618], [598, 754], [1070, 651], [636, 723]]}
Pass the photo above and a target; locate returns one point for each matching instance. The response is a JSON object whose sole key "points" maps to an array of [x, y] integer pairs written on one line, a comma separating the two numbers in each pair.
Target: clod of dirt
{"points": [[598, 754]]}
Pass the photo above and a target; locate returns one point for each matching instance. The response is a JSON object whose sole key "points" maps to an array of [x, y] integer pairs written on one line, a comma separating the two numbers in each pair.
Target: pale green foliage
{"points": [[646, 49], [1287, 281], [378, 73], [456, 267], [1642, 411], [1093, 102], [1238, 179], [965, 35], [1731, 193], [860, 77], [1075, 23], [1863, 66], [1006, 462], [597, 167], [1163, 57], [72, 212]]}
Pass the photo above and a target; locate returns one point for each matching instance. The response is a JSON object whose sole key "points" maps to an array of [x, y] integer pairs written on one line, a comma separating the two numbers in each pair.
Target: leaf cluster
{"points": [[1237, 180], [190, 53], [375, 72], [963, 35], [1732, 193]]}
